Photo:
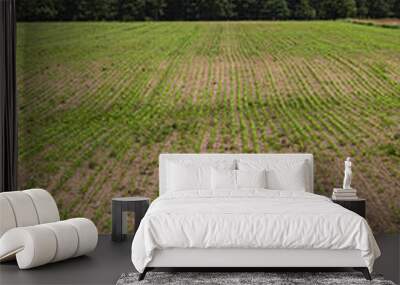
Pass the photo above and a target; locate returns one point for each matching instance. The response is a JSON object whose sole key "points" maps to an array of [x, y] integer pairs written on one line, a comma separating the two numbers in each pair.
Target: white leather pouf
{"points": [[87, 234], [33, 246], [7, 220], [67, 240], [45, 206]]}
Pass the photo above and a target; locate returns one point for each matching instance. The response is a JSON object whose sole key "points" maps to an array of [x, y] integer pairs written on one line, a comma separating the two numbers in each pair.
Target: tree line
{"points": [[139, 10]]}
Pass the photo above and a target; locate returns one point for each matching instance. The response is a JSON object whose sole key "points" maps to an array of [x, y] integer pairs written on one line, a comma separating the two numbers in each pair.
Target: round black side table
{"points": [[120, 207]]}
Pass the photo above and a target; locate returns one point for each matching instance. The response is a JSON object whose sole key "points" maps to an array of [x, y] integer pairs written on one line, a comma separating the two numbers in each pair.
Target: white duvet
{"points": [[250, 219]]}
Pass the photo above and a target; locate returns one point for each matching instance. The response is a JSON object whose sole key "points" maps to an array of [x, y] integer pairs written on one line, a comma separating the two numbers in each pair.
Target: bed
{"points": [[247, 210]]}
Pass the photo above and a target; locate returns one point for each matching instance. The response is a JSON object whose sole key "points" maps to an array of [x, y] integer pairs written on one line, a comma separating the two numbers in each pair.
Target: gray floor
{"points": [[103, 266], [110, 260], [389, 262]]}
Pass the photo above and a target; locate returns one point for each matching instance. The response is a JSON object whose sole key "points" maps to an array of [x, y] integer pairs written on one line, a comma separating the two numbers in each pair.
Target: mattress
{"points": [[250, 219]]}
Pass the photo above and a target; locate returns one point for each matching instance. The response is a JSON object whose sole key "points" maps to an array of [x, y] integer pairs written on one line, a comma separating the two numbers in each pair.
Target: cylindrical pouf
{"points": [[34, 246], [7, 218], [67, 240], [46, 207], [87, 235], [23, 208]]}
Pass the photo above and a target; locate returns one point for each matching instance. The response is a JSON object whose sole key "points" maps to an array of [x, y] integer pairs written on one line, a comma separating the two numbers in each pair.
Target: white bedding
{"points": [[250, 218]]}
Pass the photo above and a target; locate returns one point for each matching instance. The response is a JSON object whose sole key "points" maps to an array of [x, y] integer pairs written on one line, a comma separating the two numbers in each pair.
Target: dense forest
{"points": [[126, 10]]}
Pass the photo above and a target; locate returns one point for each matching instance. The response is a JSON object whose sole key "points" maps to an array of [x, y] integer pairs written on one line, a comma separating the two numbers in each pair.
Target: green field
{"points": [[99, 102]]}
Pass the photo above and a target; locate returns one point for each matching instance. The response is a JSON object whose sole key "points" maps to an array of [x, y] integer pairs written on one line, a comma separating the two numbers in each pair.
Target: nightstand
{"points": [[357, 205], [120, 207]]}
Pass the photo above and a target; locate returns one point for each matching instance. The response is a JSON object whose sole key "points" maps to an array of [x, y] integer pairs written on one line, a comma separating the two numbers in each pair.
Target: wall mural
{"points": [[99, 101]]}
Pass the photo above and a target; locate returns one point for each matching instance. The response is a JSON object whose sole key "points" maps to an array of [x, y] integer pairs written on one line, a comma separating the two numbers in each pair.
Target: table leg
{"points": [[117, 222]]}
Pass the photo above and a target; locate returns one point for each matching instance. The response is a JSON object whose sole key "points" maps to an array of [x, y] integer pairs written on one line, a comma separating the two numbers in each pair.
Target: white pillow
{"points": [[292, 179], [281, 174], [188, 177], [251, 178], [223, 179]]}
